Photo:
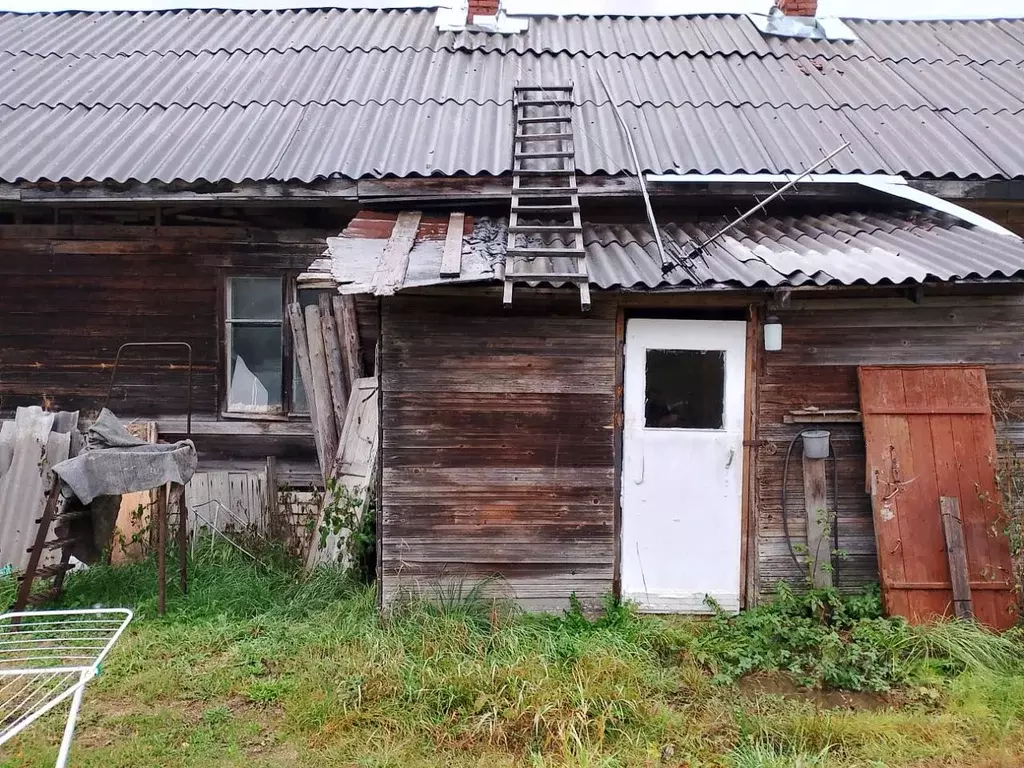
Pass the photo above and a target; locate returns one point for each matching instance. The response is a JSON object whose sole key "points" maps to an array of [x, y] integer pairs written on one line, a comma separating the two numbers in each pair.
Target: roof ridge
{"points": [[216, 11], [458, 48], [706, 103]]}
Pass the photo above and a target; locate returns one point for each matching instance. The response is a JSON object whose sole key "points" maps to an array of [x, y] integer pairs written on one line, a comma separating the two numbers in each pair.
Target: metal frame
{"points": [[163, 506], [48, 657]]}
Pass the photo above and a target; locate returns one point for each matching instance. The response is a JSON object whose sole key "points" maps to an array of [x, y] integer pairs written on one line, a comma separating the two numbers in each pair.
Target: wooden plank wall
{"points": [[498, 446], [228, 501], [70, 295], [824, 342]]}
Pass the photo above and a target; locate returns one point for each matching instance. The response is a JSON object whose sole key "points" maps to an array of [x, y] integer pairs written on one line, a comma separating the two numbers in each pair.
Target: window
{"points": [[259, 347], [685, 389]]}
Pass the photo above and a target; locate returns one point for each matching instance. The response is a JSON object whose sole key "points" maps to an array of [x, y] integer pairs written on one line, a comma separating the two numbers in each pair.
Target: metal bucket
{"points": [[816, 444]]}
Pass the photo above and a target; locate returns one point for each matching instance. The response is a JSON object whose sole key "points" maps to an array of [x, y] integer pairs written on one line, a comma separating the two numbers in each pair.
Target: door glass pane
{"points": [[256, 298], [685, 389], [255, 367]]}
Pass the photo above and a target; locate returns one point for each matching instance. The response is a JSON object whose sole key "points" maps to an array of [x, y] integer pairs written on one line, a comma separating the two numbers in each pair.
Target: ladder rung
{"points": [[43, 597], [541, 155], [543, 136], [55, 544], [571, 208], [544, 102], [552, 119], [543, 171], [72, 514], [49, 571], [546, 252], [538, 276], [520, 88], [545, 191], [566, 229]]}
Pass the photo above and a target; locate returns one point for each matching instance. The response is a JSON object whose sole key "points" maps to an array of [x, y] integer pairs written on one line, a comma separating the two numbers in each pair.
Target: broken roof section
{"points": [[842, 248], [314, 94]]}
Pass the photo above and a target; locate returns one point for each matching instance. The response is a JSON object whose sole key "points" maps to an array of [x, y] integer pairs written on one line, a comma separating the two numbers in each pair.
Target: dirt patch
{"points": [[276, 753], [781, 684]]}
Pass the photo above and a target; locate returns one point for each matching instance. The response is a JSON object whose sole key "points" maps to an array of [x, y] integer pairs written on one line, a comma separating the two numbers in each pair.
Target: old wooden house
{"points": [[591, 376]]}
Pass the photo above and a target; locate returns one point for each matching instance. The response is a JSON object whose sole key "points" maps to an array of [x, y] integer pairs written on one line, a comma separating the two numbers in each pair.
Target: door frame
{"points": [[748, 492]]}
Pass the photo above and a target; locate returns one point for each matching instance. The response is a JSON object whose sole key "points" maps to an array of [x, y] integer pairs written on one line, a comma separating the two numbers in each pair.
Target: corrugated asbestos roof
{"points": [[304, 95], [842, 248]]}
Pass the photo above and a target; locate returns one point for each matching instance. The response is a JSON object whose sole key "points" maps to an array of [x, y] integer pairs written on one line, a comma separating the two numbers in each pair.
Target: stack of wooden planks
{"points": [[343, 408], [326, 343]]}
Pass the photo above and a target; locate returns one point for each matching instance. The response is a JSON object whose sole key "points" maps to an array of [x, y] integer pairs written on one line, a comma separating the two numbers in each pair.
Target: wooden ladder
{"points": [[51, 519], [544, 155]]}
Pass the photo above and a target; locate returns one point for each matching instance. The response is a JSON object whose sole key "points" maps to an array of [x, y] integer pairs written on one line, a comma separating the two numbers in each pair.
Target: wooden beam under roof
{"points": [[458, 190]]}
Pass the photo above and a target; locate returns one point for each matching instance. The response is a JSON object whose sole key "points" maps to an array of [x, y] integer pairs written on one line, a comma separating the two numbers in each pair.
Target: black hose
{"points": [[833, 557], [835, 501]]}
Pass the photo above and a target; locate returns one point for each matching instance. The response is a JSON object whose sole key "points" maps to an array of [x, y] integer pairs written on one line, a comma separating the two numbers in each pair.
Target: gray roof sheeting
{"points": [[305, 95], [308, 143], [400, 77], [178, 32], [840, 248]]}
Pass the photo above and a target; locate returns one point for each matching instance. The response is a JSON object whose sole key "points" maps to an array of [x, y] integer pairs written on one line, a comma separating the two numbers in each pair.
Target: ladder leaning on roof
{"points": [[545, 211]]}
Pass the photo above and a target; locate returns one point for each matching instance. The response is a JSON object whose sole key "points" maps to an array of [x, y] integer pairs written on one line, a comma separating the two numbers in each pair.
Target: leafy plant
{"points": [[1010, 485], [348, 516], [825, 640]]}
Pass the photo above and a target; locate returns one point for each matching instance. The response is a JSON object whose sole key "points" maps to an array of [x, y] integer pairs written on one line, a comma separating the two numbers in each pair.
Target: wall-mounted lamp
{"points": [[772, 334]]}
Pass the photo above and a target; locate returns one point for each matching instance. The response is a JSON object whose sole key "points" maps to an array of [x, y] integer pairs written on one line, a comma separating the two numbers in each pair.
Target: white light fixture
{"points": [[772, 334]]}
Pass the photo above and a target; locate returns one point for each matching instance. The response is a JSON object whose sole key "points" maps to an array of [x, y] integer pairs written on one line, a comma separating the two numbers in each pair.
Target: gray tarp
{"points": [[116, 462]]}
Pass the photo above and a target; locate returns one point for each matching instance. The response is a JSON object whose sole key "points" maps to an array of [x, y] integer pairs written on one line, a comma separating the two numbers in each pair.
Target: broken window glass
{"points": [[685, 389], [255, 344]]}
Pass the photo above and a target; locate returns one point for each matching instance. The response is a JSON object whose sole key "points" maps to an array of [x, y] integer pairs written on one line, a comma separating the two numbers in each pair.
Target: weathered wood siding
{"points": [[824, 342], [71, 295], [498, 446]]}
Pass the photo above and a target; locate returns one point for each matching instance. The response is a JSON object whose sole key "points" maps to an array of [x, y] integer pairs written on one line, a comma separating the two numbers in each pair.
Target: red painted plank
{"points": [[924, 559], [883, 435]]}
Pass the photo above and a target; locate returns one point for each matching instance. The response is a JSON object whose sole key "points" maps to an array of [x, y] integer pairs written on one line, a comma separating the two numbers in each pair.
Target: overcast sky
{"points": [[879, 9]]}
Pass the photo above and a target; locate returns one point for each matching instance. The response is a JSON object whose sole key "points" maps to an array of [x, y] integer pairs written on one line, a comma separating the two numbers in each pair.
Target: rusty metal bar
{"points": [[149, 344]]}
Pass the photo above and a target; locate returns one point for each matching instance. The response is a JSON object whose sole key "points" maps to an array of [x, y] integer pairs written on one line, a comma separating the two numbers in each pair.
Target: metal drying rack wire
{"points": [[48, 657]]}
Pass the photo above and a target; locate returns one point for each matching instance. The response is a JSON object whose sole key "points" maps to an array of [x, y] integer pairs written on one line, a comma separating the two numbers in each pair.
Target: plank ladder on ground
{"points": [[51, 536], [545, 194]]}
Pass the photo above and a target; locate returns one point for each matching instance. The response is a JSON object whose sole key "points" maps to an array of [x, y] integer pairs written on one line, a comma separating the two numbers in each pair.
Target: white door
{"points": [[682, 466]]}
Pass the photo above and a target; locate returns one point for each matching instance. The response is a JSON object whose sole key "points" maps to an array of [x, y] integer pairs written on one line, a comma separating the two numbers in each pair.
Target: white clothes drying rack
{"points": [[48, 657]]}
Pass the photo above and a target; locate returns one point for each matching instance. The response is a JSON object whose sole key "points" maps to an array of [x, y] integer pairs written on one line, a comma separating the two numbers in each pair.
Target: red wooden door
{"points": [[929, 433]]}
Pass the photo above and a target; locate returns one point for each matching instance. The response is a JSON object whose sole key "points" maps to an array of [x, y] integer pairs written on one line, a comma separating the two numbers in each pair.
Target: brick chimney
{"points": [[484, 8], [788, 7]]}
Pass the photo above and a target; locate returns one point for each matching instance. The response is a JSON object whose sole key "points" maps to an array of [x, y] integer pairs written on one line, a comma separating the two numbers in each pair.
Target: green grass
{"points": [[257, 667]]}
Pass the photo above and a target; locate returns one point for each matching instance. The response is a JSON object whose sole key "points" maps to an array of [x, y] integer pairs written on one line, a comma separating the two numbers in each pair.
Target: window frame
{"points": [[289, 294]]}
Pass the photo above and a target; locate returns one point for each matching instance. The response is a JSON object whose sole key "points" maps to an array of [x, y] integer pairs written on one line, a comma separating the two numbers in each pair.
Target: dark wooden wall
{"points": [[70, 295], [498, 446], [824, 342]]}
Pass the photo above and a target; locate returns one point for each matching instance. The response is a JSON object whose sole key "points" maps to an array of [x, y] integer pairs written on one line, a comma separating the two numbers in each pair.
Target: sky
{"points": [[877, 9]]}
